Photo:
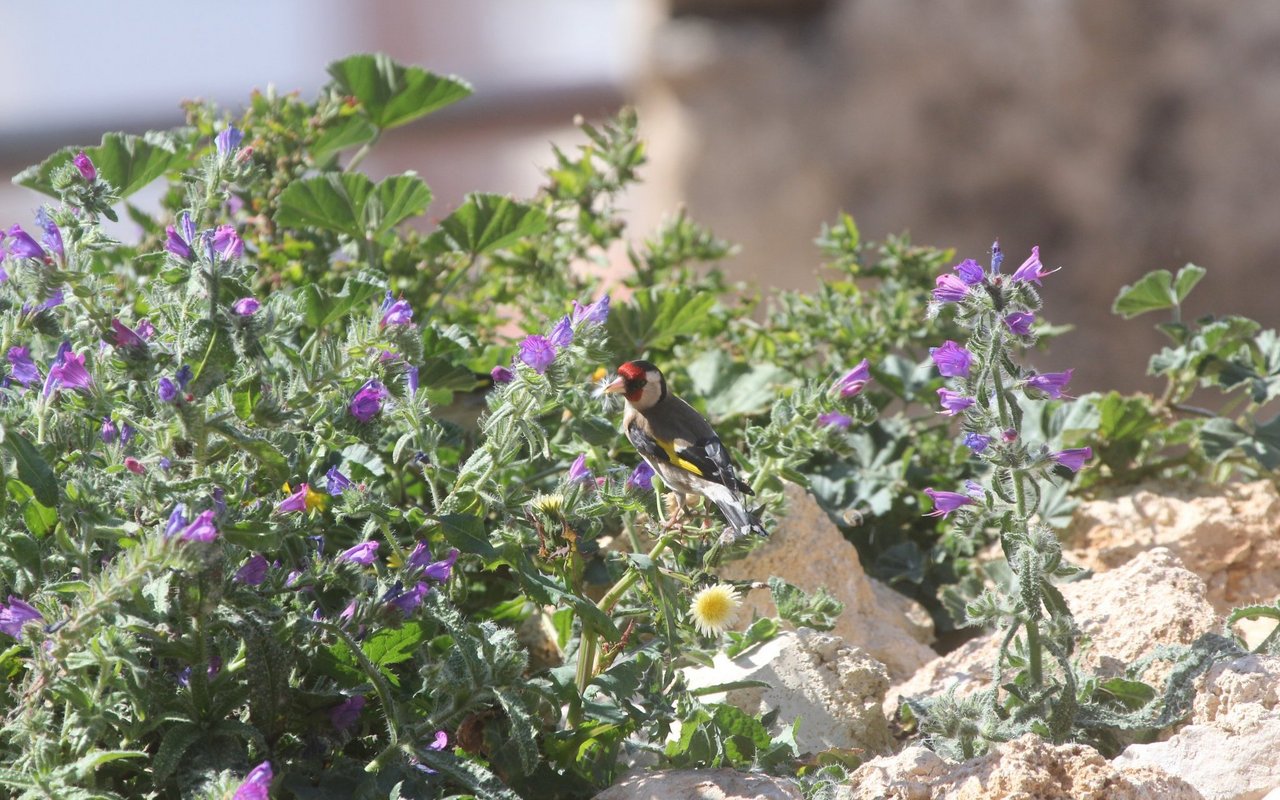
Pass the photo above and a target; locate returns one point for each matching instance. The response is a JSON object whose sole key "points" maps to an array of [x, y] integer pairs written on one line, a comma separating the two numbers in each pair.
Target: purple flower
{"points": [[950, 289], [1051, 383], [134, 465], [108, 430], [167, 390], [52, 237], [347, 613], [953, 361], [201, 528], [367, 402], [407, 600], [345, 714], [977, 442], [177, 520], [596, 313], [441, 570], [411, 381], [257, 784], [953, 402], [538, 352], [364, 553], [294, 502], [641, 478], [179, 240], [1031, 269], [853, 381], [397, 312], [183, 376], [834, 419], [124, 336], [502, 375], [23, 369], [226, 243], [254, 571], [562, 334], [1019, 322], [1073, 459], [165, 463], [946, 502], [22, 245], [997, 257], [246, 306], [578, 472], [336, 483], [969, 271], [54, 301], [227, 142], [87, 170], [15, 615], [126, 432], [1009, 435], [67, 371]]}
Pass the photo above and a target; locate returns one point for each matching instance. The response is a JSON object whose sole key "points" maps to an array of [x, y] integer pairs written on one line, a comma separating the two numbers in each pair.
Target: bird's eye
{"points": [[640, 382]]}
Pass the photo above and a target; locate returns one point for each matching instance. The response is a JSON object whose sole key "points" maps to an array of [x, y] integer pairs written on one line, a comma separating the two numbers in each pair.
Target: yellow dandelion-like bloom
{"points": [[550, 504], [715, 608]]}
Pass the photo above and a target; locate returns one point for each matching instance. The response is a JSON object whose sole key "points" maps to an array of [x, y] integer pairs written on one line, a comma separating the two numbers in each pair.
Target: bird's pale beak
{"points": [[617, 386]]}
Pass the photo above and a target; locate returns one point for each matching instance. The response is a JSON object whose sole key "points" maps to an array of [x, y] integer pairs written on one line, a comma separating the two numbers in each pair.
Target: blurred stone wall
{"points": [[1120, 137]]}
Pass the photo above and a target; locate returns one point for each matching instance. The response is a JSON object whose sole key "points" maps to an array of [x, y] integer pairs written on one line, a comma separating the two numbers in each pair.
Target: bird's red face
{"points": [[639, 381]]}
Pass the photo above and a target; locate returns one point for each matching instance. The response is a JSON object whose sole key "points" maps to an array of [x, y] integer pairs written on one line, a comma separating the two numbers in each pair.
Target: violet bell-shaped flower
{"points": [[852, 382], [246, 306], [254, 571], [85, 166], [22, 245], [952, 360], [52, 237], [596, 313], [953, 402], [538, 352], [256, 785], [1051, 383], [180, 240], [396, 312], [946, 502], [977, 442], [407, 600], [225, 243], [969, 271], [201, 528], [834, 419], [364, 553], [67, 371], [578, 472], [950, 289], [367, 401], [562, 334], [641, 478], [345, 714], [501, 374], [15, 615], [336, 483], [227, 142], [1074, 458], [1031, 269], [1019, 322], [21, 367], [124, 336]]}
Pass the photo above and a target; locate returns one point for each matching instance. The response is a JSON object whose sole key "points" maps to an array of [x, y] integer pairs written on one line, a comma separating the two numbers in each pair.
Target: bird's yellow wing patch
{"points": [[670, 449]]}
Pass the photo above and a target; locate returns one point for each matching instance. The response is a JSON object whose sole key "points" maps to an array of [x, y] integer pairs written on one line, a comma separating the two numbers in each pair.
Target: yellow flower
{"points": [[715, 608], [549, 504], [315, 500], [599, 374]]}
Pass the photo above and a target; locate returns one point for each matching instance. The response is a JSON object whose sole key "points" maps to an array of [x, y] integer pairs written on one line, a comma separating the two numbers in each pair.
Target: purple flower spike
{"points": [[254, 571], [336, 483], [22, 245], [67, 371], [15, 616], [1051, 383], [367, 402], [641, 478], [578, 472], [441, 570], [1073, 459], [953, 402], [364, 554], [952, 360], [538, 352], [294, 502], [834, 419], [256, 785], [1031, 269], [87, 170], [108, 430], [52, 237], [22, 368], [407, 600], [124, 336], [177, 520], [1019, 322], [226, 243], [345, 714], [853, 381], [246, 306], [174, 244], [201, 528], [562, 334], [596, 313], [502, 375], [396, 312], [977, 442], [946, 502], [950, 289], [969, 271], [227, 142]]}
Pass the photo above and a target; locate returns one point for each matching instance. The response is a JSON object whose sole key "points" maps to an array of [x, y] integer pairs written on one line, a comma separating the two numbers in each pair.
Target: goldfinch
{"points": [[681, 446]]}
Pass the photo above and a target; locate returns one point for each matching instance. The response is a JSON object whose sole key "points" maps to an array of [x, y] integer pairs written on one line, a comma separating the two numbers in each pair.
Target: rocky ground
{"points": [[1182, 558]]}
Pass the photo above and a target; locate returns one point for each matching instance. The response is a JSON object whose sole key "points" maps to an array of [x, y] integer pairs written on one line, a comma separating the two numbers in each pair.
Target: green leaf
{"points": [[818, 610], [547, 590], [389, 646], [334, 201], [486, 222], [349, 131], [1133, 694], [1186, 280], [33, 470], [88, 763], [656, 318], [393, 94], [394, 200], [1220, 436], [127, 161], [466, 532], [1153, 292], [321, 307], [524, 729], [731, 389]]}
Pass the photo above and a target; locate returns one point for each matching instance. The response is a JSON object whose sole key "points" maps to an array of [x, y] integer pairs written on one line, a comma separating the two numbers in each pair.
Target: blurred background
{"points": [[1120, 137]]}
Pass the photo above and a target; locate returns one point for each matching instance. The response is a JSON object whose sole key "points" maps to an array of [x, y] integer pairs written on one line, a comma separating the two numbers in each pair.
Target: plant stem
{"points": [[363, 151]]}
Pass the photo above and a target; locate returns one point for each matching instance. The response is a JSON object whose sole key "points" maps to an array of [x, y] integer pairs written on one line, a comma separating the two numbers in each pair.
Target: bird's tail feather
{"points": [[743, 521]]}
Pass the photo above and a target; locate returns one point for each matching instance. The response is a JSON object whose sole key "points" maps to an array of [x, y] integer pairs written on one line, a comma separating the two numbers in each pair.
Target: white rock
{"points": [[701, 784]]}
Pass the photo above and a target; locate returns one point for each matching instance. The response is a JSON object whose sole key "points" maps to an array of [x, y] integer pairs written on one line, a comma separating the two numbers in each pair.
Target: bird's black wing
{"points": [[705, 458]]}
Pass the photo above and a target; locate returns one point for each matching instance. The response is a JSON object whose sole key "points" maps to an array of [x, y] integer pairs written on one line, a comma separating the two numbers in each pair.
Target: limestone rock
{"points": [[1149, 601], [836, 690], [808, 550], [1231, 748], [701, 784], [1027, 768], [1225, 534]]}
